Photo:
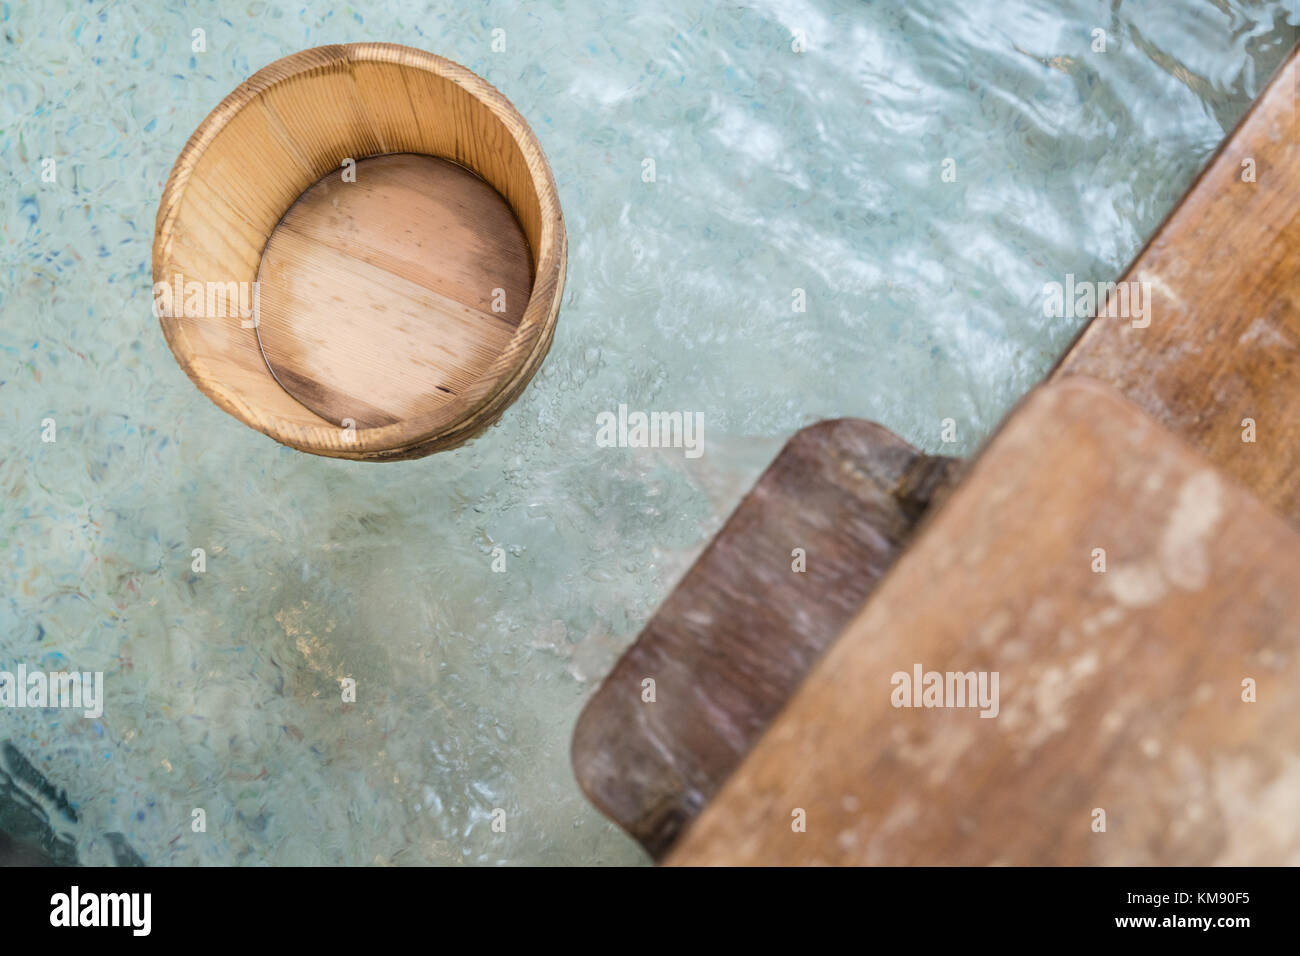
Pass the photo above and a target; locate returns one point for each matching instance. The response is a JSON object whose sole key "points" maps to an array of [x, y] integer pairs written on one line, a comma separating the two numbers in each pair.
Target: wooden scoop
{"points": [[1217, 348]]}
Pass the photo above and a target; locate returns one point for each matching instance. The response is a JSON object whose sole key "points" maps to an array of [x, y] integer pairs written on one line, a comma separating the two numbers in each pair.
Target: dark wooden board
{"points": [[742, 628]]}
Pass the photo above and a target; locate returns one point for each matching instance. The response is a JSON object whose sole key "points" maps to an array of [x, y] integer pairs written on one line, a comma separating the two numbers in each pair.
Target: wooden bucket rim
{"points": [[464, 415]]}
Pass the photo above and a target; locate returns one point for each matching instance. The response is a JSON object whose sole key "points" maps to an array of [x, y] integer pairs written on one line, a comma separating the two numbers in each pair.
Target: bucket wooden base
{"points": [[385, 297]]}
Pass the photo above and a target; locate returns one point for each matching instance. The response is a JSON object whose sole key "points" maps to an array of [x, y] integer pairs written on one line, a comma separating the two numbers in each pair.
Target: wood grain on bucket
{"points": [[288, 127]]}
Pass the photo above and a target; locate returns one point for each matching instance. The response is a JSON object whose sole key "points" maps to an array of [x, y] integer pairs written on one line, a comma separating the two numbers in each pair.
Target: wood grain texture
{"points": [[1223, 342], [1119, 690], [377, 296], [742, 628], [283, 130]]}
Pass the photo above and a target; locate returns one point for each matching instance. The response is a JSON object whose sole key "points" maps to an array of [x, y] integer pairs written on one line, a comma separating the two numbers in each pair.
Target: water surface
{"points": [[774, 171]]}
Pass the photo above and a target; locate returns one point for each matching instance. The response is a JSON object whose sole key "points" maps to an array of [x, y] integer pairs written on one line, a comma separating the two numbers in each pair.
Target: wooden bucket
{"points": [[360, 253]]}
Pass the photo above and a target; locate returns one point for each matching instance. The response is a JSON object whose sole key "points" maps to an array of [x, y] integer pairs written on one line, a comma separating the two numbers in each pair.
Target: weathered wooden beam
{"points": [[1121, 691], [1223, 340]]}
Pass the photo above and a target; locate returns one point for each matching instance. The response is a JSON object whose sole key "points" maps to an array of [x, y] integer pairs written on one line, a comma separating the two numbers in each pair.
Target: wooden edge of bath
{"points": [[1221, 344], [285, 420], [731, 642], [1144, 712]]}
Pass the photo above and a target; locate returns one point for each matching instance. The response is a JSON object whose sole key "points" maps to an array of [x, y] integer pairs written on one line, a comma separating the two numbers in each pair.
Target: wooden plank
{"points": [[742, 628], [1120, 691], [1223, 343]]}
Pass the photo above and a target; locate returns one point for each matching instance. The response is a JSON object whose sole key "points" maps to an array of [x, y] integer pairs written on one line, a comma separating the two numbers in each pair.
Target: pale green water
{"points": [[775, 171]]}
